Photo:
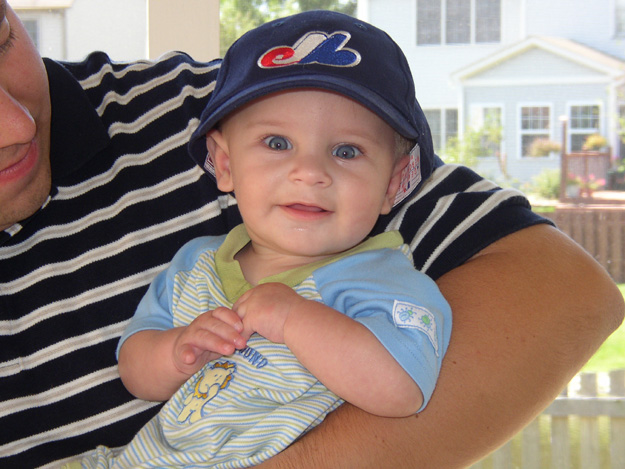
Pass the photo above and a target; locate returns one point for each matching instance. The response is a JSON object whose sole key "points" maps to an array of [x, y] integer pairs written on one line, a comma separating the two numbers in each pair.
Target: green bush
{"points": [[546, 184], [543, 147]]}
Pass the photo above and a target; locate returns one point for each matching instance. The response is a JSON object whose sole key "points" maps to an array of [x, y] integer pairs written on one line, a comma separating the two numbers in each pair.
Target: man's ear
{"points": [[394, 183], [218, 150]]}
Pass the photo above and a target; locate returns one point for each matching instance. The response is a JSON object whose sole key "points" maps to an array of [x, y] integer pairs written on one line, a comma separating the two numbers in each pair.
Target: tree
{"points": [[476, 142], [239, 16]]}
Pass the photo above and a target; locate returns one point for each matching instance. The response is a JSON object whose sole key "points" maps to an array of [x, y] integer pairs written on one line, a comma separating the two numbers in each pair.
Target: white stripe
{"points": [[484, 209], [96, 79], [158, 111], [440, 209], [77, 428], [56, 308], [64, 347], [106, 251], [106, 213], [59, 393], [130, 160], [124, 99], [438, 176]]}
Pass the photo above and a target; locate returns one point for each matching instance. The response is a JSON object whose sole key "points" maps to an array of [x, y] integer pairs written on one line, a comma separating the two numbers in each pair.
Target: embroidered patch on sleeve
{"points": [[416, 317]]}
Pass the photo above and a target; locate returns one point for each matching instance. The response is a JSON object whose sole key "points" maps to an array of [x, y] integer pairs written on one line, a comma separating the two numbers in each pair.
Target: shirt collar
{"points": [[235, 284], [76, 134]]}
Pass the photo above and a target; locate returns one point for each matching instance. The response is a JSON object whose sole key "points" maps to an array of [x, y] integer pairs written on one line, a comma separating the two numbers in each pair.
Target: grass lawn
{"points": [[611, 355]]}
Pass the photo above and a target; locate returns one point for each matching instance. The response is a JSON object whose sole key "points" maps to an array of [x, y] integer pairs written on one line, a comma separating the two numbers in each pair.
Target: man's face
{"points": [[24, 123]]}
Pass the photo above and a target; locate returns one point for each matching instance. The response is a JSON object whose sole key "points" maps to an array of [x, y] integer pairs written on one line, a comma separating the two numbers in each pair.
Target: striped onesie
{"points": [[242, 409]]}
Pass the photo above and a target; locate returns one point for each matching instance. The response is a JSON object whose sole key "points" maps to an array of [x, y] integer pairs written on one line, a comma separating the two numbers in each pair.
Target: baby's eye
{"points": [[277, 143], [346, 152]]}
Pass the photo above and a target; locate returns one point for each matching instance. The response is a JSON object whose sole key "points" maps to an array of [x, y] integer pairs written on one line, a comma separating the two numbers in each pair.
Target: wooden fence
{"points": [[584, 428], [583, 167], [600, 229]]}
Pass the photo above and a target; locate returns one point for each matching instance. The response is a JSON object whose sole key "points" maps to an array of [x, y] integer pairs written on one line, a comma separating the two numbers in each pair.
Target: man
{"points": [[92, 170]]}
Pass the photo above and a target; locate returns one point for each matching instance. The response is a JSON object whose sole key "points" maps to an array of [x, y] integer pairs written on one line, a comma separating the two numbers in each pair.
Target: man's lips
{"points": [[21, 167]]}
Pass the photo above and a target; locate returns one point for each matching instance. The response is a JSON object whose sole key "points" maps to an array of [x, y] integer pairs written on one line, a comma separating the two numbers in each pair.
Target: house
{"points": [[71, 29], [535, 69]]}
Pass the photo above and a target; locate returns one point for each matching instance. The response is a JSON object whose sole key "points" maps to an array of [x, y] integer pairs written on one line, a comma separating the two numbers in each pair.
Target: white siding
{"points": [[97, 25], [537, 65], [588, 22]]}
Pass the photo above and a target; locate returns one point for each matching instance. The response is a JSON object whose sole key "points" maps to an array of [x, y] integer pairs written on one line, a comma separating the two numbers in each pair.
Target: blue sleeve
{"points": [[402, 307], [154, 309]]}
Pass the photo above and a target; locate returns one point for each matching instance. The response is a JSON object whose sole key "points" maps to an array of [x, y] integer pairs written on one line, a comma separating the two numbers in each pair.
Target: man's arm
{"points": [[528, 311]]}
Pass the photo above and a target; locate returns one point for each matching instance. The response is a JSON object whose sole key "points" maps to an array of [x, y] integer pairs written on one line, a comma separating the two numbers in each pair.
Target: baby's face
{"points": [[311, 171]]}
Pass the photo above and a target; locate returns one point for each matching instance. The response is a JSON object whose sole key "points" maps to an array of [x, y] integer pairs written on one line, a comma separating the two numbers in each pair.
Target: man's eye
{"points": [[278, 143], [346, 152], [6, 35]]}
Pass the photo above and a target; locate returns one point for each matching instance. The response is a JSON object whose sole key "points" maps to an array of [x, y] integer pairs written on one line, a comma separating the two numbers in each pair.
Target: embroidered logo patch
{"points": [[314, 47], [416, 317]]}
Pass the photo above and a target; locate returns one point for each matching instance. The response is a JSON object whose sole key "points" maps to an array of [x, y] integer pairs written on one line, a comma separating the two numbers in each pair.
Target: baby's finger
{"points": [[229, 317], [213, 334]]}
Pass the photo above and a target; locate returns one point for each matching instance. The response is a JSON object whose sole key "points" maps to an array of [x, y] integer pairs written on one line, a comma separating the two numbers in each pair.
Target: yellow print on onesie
{"points": [[209, 383]]}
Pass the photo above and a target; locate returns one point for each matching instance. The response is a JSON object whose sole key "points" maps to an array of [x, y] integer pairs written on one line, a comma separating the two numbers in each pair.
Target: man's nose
{"points": [[16, 123], [310, 169]]}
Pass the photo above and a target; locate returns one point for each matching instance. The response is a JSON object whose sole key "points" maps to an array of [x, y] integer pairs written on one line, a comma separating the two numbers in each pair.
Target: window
{"points": [[442, 128], [485, 128], [487, 21], [429, 22], [491, 131], [458, 21], [535, 124], [451, 124], [433, 117], [584, 121], [619, 18]]}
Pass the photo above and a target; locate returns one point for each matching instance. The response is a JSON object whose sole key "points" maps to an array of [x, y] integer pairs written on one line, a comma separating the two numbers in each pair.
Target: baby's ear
{"points": [[218, 151], [394, 183]]}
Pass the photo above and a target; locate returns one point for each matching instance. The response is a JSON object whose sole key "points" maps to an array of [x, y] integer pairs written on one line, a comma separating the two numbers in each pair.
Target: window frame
{"points": [[440, 130], [521, 132], [442, 34], [618, 7], [478, 120], [577, 131]]}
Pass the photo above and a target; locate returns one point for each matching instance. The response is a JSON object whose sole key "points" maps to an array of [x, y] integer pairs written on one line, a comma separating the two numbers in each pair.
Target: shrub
{"points": [[543, 146], [546, 184], [594, 142]]}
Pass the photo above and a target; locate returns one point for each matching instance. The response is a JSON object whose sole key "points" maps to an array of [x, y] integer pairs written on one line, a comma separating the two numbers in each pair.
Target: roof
{"points": [[565, 48]]}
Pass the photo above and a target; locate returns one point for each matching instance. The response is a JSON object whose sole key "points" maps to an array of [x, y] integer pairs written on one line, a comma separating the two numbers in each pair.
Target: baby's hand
{"points": [[265, 309], [208, 337]]}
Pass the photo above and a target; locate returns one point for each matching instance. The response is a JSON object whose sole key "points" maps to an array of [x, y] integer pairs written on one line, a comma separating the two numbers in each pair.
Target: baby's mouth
{"points": [[306, 208]]}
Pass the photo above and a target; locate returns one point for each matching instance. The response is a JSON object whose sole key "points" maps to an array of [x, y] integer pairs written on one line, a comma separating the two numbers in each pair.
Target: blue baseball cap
{"points": [[329, 51]]}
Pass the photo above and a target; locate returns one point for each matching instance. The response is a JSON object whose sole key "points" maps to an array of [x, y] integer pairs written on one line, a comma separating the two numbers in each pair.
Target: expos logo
{"points": [[313, 47]]}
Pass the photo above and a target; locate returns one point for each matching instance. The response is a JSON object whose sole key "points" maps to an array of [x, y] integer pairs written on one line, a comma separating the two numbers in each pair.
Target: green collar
{"points": [[234, 282]]}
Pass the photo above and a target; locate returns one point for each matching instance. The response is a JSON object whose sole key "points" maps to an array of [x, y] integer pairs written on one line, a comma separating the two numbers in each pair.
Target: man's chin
{"points": [[22, 202]]}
